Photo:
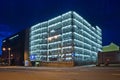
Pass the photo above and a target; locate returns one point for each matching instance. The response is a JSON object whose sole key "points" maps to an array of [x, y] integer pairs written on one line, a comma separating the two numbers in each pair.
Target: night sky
{"points": [[16, 15]]}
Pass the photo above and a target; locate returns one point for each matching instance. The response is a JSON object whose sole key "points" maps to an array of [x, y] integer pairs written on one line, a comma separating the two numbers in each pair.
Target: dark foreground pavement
{"points": [[54, 73]]}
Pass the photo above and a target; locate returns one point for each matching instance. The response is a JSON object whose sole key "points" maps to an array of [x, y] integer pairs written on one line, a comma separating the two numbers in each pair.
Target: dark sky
{"points": [[16, 15]]}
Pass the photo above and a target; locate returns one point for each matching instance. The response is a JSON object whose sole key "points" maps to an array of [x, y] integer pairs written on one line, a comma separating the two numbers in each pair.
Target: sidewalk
{"points": [[43, 67]]}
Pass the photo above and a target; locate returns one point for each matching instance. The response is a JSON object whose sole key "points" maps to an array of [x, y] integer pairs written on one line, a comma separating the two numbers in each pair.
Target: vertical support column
{"points": [[91, 53], [9, 49], [48, 43], [61, 36], [73, 52], [26, 48], [82, 40], [9, 59]]}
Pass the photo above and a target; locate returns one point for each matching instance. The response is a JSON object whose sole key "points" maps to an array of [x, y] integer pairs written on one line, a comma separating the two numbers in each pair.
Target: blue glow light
{"points": [[32, 57]]}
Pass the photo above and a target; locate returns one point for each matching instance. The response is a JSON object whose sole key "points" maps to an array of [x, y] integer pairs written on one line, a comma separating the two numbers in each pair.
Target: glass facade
{"points": [[67, 37]]}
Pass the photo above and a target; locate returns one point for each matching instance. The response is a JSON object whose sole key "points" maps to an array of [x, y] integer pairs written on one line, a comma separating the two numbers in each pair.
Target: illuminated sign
{"points": [[4, 41], [13, 37], [32, 57]]}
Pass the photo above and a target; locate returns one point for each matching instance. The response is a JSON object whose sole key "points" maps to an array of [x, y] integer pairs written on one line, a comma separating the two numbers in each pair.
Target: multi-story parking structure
{"points": [[68, 37]]}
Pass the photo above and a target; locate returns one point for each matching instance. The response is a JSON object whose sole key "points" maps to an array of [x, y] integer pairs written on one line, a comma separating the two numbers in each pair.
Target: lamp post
{"points": [[9, 49]]}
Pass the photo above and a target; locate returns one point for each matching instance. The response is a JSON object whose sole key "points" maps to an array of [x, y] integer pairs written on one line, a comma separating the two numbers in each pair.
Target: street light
{"points": [[9, 55], [9, 49], [4, 49]]}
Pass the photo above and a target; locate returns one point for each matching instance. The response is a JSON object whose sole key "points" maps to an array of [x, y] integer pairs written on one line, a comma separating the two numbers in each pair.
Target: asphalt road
{"points": [[54, 73]]}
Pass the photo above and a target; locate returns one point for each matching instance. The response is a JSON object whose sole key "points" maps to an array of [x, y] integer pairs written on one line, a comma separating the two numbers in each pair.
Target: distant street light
{"points": [[9, 49], [9, 55], [4, 49]]}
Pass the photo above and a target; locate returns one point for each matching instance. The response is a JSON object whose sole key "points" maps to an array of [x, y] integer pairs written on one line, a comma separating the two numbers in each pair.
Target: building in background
{"points": [[109, 55], [13, 49], [68, 37], [110, 47]]}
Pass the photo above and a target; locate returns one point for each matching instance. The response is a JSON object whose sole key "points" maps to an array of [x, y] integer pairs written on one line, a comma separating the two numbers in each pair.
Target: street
{"points": [[64, 73]]}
